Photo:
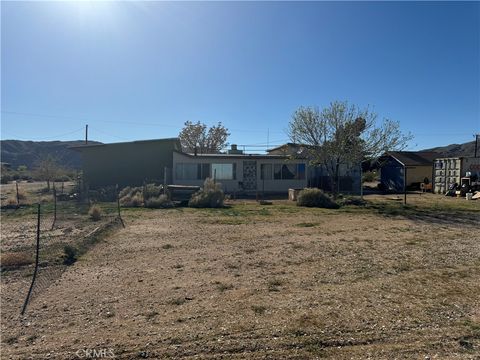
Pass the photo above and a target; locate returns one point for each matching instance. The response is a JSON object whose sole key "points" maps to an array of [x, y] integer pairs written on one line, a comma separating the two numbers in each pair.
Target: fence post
{"points": [[54, 206], [36, 263], [118, 207], [18, 197]]}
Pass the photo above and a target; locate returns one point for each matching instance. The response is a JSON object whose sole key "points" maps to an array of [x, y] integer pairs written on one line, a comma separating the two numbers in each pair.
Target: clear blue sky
{"points": [[140, 70]]}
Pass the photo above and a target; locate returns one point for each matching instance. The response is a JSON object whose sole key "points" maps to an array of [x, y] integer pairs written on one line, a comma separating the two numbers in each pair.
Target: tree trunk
{"points": [[336, 179], [48, 185]]}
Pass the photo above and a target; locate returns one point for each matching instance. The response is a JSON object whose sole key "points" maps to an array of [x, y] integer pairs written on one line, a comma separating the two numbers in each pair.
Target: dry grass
{"points": [[12, 260], [380, 281]]}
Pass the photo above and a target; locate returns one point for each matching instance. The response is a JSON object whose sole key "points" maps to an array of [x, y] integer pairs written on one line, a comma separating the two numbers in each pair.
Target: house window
{"points": [[266, 172], [224, 171], [203, 171], [192, 171], [186, 171], [300, 172], [289, 171]]}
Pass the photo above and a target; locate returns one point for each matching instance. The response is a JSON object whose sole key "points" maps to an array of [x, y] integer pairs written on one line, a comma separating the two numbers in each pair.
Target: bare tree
{"points": [[344, 134], [196, 137], [48, 169]]}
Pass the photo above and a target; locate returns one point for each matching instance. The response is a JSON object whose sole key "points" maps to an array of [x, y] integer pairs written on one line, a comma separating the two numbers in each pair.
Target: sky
{"points": [[139, 70]]}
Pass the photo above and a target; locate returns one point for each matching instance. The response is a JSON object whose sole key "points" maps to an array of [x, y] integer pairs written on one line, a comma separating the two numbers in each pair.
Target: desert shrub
{"points": [[161, 201], [210, 196], [152, 191], [11, 201], [13, 260], [312, 197], [70, 254], [95, 213], [5, 178], [21, 195], [355, 201], [124, 192], [132, 201]]}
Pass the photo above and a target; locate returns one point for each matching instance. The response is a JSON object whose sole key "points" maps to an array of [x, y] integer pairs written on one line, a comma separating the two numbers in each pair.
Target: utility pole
{"points": [[86, 134], [476, 143]]}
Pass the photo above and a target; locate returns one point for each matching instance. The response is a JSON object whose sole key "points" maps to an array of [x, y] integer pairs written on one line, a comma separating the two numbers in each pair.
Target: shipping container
{"points": [[448, 171]]}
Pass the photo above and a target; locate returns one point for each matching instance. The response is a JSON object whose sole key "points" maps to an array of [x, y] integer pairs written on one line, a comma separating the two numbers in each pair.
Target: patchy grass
{"points": [[307, 224], [259, 309], [14, 260], [378, 281], [222, 287]]}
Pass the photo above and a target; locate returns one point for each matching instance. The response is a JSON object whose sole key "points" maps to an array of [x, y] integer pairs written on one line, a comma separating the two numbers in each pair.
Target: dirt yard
{"points": [[277, 281]]}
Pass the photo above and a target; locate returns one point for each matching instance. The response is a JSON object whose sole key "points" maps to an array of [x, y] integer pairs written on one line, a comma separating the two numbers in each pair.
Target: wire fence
{"points": [[45, 238]]}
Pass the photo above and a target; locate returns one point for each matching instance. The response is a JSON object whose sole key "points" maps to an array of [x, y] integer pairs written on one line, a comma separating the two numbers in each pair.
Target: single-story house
{"points": [[160, 161], [418, 166], [350, 176], [246, 173]]}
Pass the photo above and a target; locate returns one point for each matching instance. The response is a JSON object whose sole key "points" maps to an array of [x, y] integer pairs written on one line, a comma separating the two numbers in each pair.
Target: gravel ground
{"points": [[264, 282]]}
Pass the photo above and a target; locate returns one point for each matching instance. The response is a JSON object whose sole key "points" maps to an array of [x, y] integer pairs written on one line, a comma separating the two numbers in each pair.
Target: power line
{"points": [[50, 137]]}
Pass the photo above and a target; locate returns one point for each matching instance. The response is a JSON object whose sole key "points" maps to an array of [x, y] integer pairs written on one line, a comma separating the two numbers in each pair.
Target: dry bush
{"points": [[15, 259], [22, 195], [132, 201], [159, 202], [210, 196], [312, 197], [124, 192], [10, 202], [152, 191], [95, 213]]}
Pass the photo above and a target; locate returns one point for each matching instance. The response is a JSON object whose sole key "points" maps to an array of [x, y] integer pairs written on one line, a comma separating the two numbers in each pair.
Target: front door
{"points": [[250, 175]]}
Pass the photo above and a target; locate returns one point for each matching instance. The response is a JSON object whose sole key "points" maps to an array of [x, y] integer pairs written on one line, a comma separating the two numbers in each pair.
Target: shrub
{"points": [[11, 201], [152, 191], [16, 259], [124, 192], [5, 178], [132, 201], [210, 196], [95, 213], [161, 201], [355, 201], [312, 197], [21, 195], [71, 253]]}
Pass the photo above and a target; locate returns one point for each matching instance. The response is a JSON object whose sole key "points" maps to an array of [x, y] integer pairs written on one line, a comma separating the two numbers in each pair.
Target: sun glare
{"points": [[93, 12]]}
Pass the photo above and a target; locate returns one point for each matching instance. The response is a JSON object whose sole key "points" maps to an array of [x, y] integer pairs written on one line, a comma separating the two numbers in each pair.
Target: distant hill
{"points": [[18, 152], [455, 150]]}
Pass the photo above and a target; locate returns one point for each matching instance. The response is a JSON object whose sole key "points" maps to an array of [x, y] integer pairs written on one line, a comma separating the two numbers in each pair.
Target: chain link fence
{"points": [[43, 239]]}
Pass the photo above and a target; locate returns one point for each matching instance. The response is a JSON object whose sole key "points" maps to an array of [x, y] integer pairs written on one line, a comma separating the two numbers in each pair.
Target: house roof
{"points": [[232, 156], [80, 147], [414, 158], [283, 146]]}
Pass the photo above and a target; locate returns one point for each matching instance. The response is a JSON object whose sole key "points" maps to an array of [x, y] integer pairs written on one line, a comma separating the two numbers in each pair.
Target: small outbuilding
{"points": [[410, 168]]}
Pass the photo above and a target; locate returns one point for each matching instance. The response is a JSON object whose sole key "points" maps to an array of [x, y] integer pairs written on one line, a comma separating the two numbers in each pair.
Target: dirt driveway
{"points": [[257, 281]]}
